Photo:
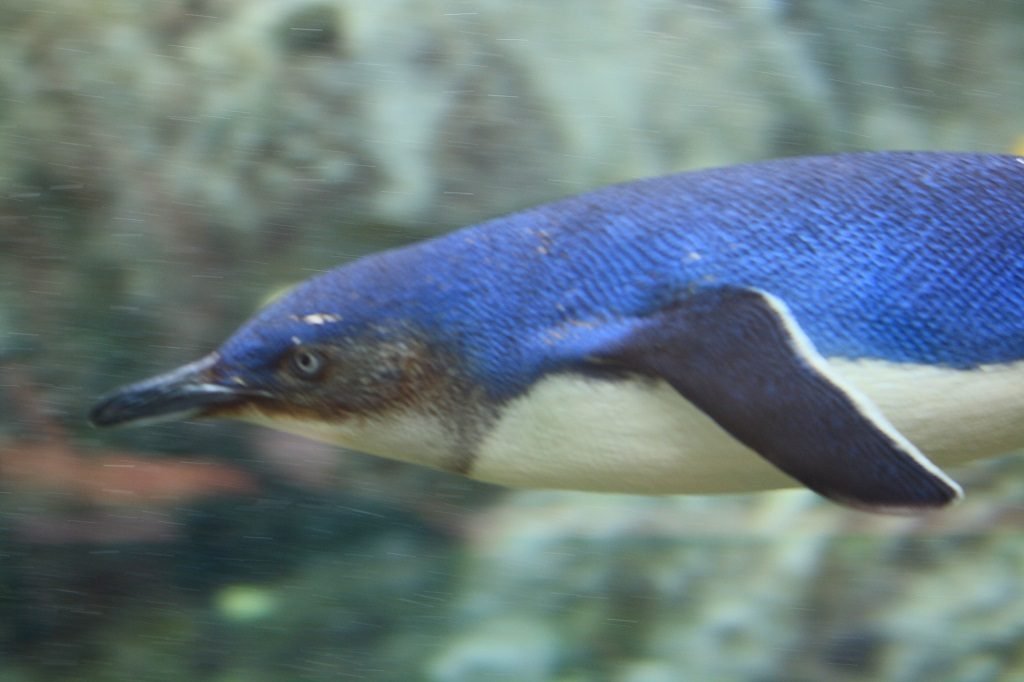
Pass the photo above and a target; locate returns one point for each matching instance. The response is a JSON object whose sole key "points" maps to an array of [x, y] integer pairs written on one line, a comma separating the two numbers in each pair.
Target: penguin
{"points": [[850, 323]]}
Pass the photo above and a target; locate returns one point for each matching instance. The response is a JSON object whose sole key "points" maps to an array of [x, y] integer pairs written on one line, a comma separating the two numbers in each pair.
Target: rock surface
{"points": [[778, 586]]}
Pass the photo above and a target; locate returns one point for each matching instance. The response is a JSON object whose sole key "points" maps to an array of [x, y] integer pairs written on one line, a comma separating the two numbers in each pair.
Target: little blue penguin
{"points": [[848, 322]]}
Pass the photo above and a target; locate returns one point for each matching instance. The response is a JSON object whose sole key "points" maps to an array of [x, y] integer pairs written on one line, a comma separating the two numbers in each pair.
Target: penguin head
{"points": [[317, 354]]}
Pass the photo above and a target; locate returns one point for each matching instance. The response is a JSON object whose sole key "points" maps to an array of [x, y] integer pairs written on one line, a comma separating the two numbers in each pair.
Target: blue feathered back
{"points": [[902, 256]]}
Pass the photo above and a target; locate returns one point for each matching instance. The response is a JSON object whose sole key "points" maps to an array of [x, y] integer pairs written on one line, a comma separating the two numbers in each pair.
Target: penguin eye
{"points": [[307, 364]]}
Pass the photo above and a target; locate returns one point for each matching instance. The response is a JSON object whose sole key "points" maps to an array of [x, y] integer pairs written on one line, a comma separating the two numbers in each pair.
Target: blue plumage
{"points": [[907, 257]]}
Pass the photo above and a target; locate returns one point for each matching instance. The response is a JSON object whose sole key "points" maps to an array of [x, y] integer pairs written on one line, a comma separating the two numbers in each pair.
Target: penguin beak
{"points": [[189, 391]]}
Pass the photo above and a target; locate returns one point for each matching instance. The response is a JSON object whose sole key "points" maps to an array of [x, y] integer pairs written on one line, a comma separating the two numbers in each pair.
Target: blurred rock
{"points": [[774, 586], [255, 113], [920, 73], [432, 114], [504, 650]]}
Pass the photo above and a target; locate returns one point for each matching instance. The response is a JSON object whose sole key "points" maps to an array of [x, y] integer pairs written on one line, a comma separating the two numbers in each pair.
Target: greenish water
{"points": [[167, 167]]}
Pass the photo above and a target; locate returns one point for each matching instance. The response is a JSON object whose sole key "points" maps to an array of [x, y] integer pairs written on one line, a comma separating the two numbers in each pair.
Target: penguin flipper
{"points": [[740, 357]]}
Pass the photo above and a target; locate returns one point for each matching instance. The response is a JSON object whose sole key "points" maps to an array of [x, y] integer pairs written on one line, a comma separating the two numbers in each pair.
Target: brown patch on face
{"points": [[361, 378], [370, 379]]}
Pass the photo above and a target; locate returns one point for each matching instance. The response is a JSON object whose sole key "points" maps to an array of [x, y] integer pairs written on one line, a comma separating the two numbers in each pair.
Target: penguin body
{"points": [[847, 322]]}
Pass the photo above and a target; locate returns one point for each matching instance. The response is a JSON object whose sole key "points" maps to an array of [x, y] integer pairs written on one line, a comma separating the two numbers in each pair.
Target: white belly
{"points": [[626, 436]]}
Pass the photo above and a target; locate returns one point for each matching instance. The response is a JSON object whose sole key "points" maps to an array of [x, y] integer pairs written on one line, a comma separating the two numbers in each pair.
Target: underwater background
{"points": [[166, 167]]}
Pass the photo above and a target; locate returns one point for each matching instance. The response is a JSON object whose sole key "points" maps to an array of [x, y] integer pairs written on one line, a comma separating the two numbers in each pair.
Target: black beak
{"points": [[188, 391]]}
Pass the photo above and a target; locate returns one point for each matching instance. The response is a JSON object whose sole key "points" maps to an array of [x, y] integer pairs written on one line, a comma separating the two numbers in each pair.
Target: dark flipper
{"points": [[739, 356]]}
